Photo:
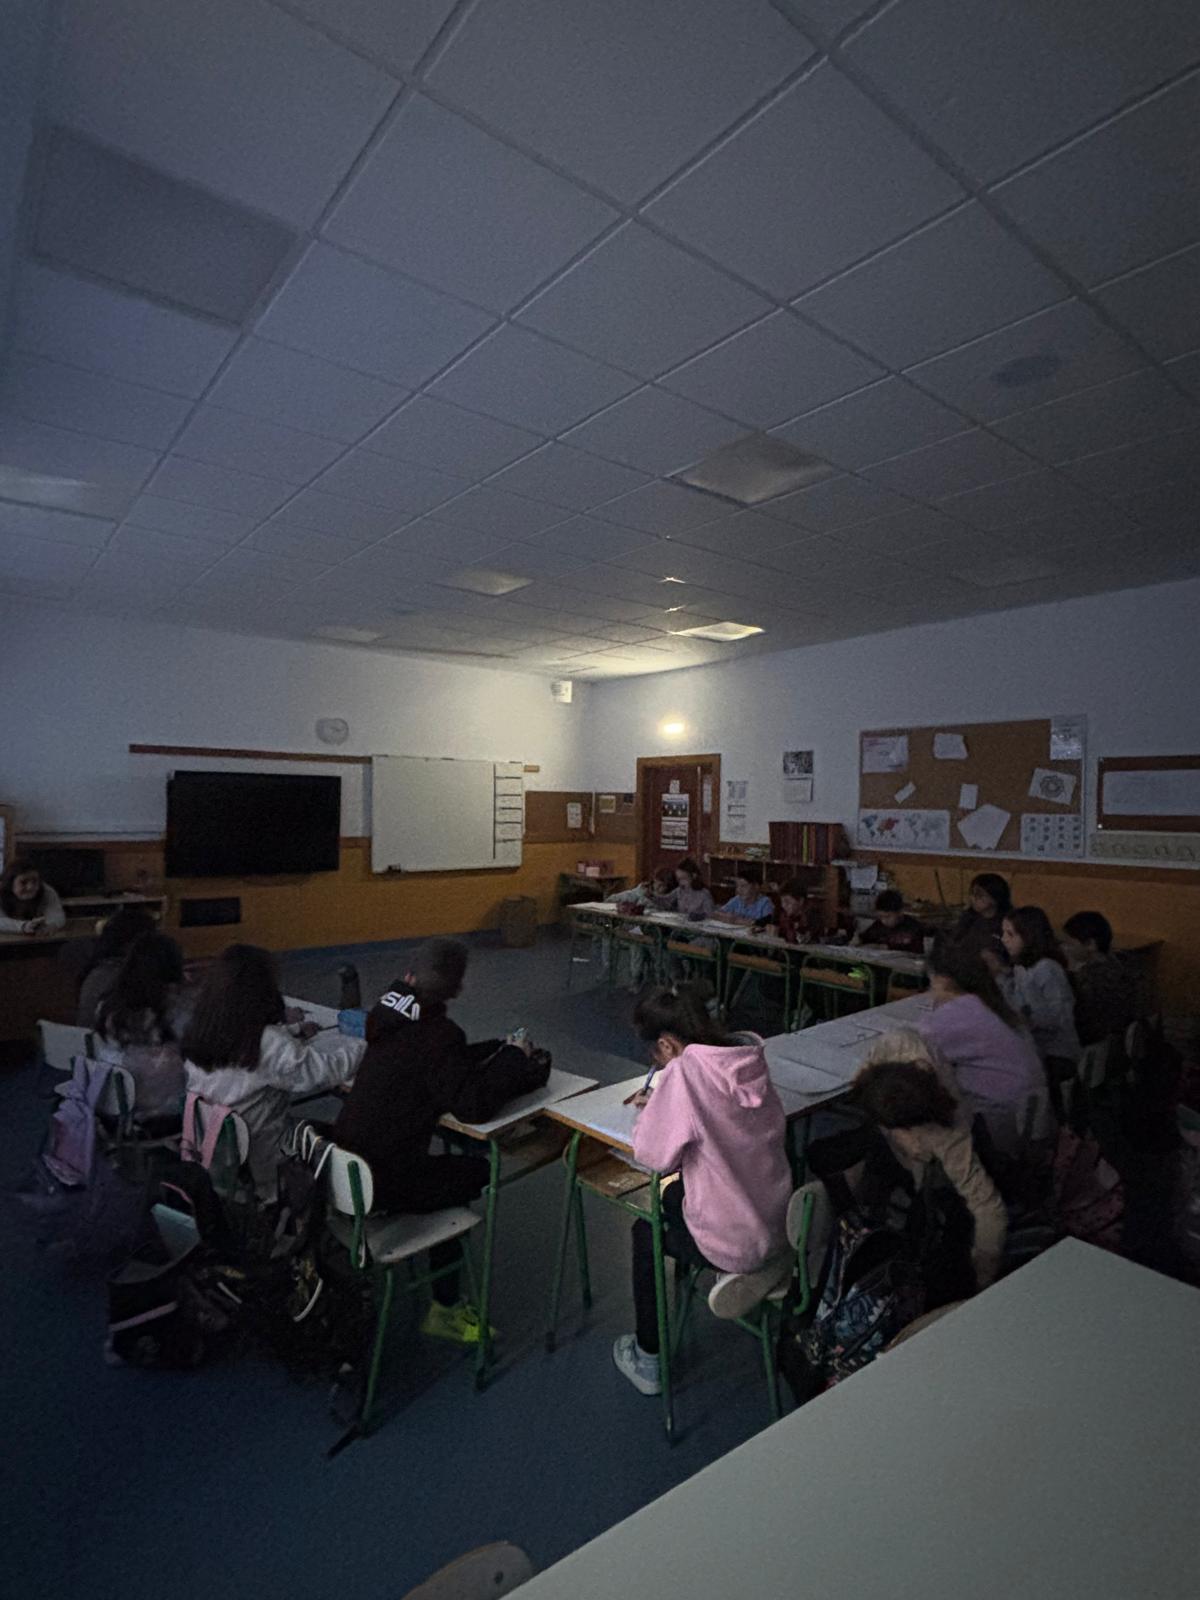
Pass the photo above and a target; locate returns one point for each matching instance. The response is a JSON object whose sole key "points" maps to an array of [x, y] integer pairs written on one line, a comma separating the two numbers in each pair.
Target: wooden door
{"points": [[678, 810]]}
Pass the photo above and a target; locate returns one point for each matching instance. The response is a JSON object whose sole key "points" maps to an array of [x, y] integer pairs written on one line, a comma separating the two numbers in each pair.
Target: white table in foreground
{"points": [[1042, 1440]]}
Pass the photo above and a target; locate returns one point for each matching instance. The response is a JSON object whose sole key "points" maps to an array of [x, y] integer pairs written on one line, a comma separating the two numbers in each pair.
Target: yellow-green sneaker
{"points": [[460, 1324]]}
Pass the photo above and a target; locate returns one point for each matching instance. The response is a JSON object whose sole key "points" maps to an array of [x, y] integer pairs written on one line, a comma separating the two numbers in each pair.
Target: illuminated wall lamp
{"points": [[672, 729]]}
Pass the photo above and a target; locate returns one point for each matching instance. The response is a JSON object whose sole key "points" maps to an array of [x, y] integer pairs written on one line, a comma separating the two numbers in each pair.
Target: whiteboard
{"points": [[429, 814], [1153, 792]]}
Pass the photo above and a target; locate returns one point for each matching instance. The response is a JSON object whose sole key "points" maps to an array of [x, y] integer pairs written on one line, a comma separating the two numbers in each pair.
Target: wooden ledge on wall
{"points": [[218, 753]]}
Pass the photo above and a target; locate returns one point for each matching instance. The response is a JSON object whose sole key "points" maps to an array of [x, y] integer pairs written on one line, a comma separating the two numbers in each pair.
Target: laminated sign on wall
{"points": [[673, 833]]}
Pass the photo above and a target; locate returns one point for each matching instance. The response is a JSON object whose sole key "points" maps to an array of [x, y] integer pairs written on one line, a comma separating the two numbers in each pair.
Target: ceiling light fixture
{"points": [[349, 635], [723, 632], [672, 580], [485, 580], [754, 469]]}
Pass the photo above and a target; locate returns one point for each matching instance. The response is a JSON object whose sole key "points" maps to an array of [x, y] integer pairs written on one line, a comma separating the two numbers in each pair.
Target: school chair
{"points": [[755, 1301], [590, 930], [745, 961], [378, 1244], [122, 1130], [492, 1570], [699, 954], [59, 1043], [837, 987], [218, 1138], [635, 941]]}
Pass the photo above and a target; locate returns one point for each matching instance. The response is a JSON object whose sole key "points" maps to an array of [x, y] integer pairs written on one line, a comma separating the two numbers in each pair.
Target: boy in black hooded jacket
{"points": [[419, 1067]]}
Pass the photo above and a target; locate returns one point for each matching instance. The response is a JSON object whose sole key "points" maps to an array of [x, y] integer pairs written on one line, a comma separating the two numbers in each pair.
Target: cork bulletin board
{"points": [[983, 788]]}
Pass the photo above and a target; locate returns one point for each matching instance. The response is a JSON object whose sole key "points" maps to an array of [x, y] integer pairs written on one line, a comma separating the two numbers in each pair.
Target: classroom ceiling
{"points": [[399, 323]]}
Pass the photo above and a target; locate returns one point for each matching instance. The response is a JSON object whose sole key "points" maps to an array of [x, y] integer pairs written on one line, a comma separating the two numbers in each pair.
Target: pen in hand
{"points": [[640, 1097]]}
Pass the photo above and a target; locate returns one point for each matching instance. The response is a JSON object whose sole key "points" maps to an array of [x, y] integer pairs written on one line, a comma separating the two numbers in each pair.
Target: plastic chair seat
{"points": [[775, 969], [395, 1238], [829, 976], [698, 952], [734, 1294]]}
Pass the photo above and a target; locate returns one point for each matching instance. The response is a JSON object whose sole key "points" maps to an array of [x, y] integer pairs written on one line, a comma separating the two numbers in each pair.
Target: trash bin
{"points": [[518, 921]]}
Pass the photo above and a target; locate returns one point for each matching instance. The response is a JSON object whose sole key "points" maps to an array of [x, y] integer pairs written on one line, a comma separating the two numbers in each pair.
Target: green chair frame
{"points": [[647, 939], [834, 989], [585, 926], [753, 960]]}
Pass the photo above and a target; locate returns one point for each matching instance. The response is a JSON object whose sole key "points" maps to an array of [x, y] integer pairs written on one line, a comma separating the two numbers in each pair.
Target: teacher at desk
{"points": [[27, 904]]}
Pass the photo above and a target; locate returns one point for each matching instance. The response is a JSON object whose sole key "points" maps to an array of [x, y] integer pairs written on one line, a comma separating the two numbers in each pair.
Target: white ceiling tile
{"points": [[396, 35], [75, 471], [874, 423], [464, 443], [591, 539], [1185, 371], [286, 570], [771, 372], [337, 517], [1004, 569], [820, 151], [286, 386], [837, 503], [957, 278], [62, 527], [87, 402], [443, 201], [234, 95], [1160, 304], [540, 561], [32, 565], [228, 439], [351, 311], [492, 511], [1121, 197], [117, 573], [620, 94], [642, 304], [88, 325], [465, 547], [660, 433], [899, 534], [1121, 412], [222, 488], [188, 521], [384, 481], [282, 539], [189, 556], [522, 378], [1136, 468], [1033, 495], [665, 508], [747, 534], [1052, 353], [994, 85], [569, 478], [968, 461]]}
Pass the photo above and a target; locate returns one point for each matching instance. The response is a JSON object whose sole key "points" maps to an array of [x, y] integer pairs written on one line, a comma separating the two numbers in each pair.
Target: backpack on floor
{"points": [[172, 1301]]}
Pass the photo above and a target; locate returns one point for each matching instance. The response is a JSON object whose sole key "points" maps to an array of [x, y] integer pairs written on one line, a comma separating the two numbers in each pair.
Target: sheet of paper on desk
{"points": [[949, 747], [982, 830]]}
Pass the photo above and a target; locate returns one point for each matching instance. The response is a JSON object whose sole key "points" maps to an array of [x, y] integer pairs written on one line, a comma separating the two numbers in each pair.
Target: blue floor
{"points": [[125, 1485]]}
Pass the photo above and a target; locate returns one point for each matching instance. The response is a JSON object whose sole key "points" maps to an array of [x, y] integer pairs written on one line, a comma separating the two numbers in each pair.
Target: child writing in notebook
{"points": [[979, 926], [893, 928], [419, 1067], [748, 904], [711, 1114], [690, 896]]}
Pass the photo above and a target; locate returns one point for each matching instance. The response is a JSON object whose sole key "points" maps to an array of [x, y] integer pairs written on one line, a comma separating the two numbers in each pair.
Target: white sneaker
{"points": [[641, 1369]]}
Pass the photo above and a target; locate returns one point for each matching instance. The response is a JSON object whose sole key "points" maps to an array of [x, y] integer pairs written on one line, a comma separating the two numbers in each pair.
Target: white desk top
{"points": [[559, 1086], [822, 1060], [1042, 1440], [323, 1016], [603, 1112]]}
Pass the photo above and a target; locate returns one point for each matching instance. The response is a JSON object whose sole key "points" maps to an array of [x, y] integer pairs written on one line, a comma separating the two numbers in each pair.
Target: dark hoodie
{"points": [[419, 1067]]}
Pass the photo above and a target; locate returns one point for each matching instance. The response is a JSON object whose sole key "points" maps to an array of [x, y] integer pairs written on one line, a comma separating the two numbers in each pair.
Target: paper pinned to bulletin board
{"points": [[991, 780]]}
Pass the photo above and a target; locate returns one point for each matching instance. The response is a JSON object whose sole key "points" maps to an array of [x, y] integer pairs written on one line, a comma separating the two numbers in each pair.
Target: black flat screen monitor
{"points": [[251, 824]]}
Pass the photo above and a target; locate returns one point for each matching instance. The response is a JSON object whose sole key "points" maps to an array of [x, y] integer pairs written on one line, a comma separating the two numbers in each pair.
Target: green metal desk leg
{"points": [[660, 1299], [585, 1276], [381, 1327], [569, 1202], [767, 1337], [483, 1351]]}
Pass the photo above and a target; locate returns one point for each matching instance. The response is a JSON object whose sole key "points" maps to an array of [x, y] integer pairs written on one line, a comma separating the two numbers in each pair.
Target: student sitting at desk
{"points": [[995, 1064], [893, 928], [138, 1025], [713, 1116], [117, 937], [27, 904], [689, 897], [239, 1052], [1106, 1000], [1037, 987], [748, 905], [980, 924], [643, 896], [417, 1069], [794, 923]]}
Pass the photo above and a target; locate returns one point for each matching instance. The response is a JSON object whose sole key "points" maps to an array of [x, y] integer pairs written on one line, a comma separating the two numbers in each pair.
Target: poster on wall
{"points": [[1066, 738], [737, 798], [1051, 834], [885, 752], [673, 832], [797, 777], [904, 830], [574, 814], [606, 804]]}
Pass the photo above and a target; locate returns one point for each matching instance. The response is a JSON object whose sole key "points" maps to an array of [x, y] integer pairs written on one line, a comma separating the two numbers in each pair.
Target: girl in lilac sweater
{"points": [[713, 1116]]}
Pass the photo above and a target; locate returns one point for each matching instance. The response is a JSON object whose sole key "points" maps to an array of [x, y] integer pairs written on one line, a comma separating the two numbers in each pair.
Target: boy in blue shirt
{"points": [[748, 905]]}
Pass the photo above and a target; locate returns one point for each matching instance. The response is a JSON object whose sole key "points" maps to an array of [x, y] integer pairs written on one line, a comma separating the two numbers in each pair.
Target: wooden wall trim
{"points": [[1015, 866], [222, 754]]}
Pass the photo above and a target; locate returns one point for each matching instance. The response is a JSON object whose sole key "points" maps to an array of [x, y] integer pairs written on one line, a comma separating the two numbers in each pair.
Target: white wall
{"points": [[1129, 661], [76, 691]]}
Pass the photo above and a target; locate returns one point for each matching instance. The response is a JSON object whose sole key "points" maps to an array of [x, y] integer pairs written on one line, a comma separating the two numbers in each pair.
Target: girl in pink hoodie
{"points": [[712, 1116]]}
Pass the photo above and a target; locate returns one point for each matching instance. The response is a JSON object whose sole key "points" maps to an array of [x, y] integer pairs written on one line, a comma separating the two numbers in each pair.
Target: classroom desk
{"points": [[1043, 1439], [598, 917], [36, 983], [518, 1144]]}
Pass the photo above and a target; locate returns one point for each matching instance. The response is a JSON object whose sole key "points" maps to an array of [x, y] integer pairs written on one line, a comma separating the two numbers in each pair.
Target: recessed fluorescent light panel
{"points": [[349, 635], [483, 580], [755, 469], [102, 213], [723, 632]]}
